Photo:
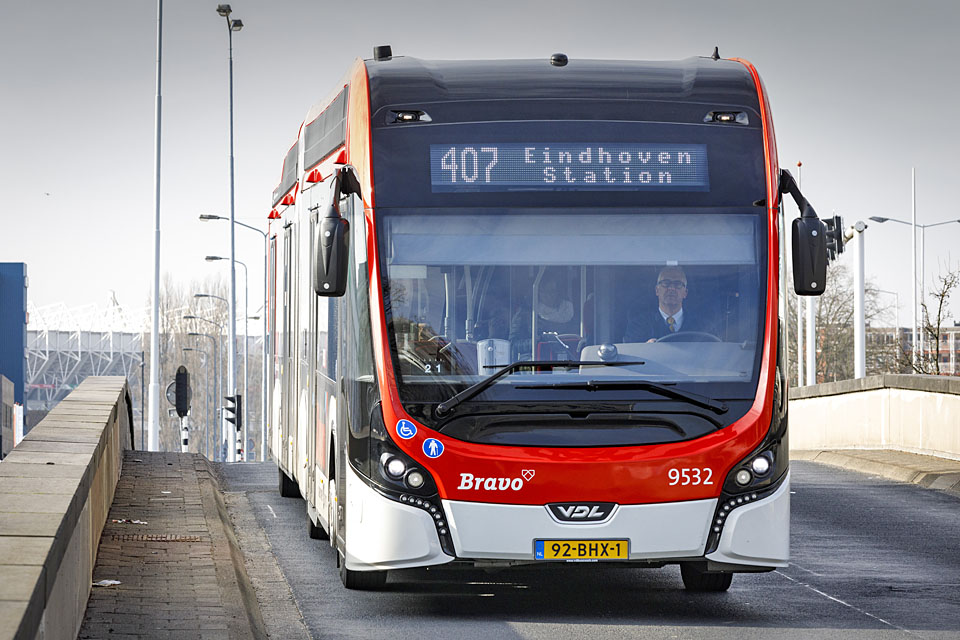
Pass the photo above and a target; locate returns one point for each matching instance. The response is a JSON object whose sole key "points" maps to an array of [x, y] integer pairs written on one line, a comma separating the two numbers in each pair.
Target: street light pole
{"points": [[220, 426], [232, 25], [246, 339], [913, 254], [266, 335], [206, 402], [800, 304], [917, 329], [859, 328], [218, 382], [153, 435]]}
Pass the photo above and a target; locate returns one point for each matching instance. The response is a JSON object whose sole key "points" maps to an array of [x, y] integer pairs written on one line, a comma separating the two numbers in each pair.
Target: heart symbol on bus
{"points": [[528, 474]]}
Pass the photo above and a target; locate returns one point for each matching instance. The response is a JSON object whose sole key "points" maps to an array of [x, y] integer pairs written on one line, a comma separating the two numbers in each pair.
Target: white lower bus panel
{"points": [[757, 534], [506, 532], [384, 534]]}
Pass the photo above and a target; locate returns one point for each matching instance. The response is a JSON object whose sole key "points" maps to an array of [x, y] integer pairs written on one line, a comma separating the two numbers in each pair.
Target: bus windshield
{"points": [[468, 291]]}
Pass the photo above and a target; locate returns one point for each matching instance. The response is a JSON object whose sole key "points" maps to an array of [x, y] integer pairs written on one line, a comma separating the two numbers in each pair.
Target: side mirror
{"points": [[332, 241], [809, 256], [332, 247]]}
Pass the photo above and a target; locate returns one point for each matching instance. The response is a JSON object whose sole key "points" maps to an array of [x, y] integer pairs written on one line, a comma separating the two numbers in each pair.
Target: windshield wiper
{"points": [[476, 389], [644, 385]]}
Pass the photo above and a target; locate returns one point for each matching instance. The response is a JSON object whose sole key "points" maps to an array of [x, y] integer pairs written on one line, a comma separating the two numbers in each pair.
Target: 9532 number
{"points": [[693, 476]]}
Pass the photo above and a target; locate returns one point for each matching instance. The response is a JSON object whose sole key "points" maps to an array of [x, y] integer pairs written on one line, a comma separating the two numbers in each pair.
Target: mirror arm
{"points": [[789, 185]]}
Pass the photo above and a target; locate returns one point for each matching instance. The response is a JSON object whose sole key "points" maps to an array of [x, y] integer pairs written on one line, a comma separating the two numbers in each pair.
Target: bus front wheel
{"points": [[696, 579]]}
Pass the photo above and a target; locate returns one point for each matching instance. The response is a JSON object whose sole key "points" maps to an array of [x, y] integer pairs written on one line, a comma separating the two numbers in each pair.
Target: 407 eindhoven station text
{"points": [[599, 166]]}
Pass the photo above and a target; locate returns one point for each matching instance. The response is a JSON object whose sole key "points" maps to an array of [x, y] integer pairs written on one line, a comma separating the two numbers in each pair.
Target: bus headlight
{"points": [[415, 479], [390, 467], [760, 465], [393, 466], [759, 470]]}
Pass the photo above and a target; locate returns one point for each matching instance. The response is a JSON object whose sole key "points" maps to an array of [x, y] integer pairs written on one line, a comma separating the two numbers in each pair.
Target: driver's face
{"points": [[671, 289]]}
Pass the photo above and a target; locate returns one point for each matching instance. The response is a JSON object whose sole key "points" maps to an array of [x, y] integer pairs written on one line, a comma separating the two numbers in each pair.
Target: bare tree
{"points": [[177, 299], [835, 329], [946, 281]]}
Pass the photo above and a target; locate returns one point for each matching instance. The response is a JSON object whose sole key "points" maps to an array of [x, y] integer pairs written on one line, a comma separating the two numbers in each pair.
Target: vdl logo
{"points": [[581, 511]]}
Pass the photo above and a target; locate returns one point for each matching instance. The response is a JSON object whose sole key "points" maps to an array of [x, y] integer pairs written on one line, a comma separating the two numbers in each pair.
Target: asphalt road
{"points": [[871, 559]]}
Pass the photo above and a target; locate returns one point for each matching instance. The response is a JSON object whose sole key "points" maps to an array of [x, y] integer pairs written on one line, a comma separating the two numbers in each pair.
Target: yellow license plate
{"points": [[581, 549]]}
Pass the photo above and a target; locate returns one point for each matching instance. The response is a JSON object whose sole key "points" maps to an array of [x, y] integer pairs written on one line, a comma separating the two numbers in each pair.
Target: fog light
{"points": [[415, 479], [743, 477], [760, 465], [394, 467]]}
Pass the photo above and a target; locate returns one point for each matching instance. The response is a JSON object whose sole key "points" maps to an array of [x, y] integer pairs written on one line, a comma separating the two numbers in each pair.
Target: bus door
{"points": [[270, 350], [357, 383], [288, 414], [308, 368]]}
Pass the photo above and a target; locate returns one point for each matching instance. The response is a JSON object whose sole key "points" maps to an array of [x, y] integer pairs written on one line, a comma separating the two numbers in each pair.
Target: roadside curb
{"points": [[237, 587], [930, 472]]}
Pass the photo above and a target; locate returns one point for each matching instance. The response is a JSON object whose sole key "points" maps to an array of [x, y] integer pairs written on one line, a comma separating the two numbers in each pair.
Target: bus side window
{"points": [[330, 362]]}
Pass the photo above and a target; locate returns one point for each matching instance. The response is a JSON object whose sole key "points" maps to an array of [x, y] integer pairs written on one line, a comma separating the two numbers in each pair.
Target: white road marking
{"points": [[271, 511], [794, 564], [846, 604]]}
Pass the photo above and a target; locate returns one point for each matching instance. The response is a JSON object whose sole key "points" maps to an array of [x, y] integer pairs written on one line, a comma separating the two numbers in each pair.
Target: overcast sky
{"points": [[861, 92]]}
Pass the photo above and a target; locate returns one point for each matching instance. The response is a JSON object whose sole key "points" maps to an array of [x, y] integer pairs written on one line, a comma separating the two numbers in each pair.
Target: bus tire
{"points": [[358, 580], [288, 488], [361, 580], [315, 530], [696, 579]]}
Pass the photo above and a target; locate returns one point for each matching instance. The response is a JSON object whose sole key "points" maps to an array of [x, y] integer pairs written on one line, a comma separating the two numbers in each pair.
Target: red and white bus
{"points": [[471, 259]]}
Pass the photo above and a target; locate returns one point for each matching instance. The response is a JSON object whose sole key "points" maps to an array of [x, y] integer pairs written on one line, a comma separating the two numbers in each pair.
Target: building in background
{"points": [[13, 328]]}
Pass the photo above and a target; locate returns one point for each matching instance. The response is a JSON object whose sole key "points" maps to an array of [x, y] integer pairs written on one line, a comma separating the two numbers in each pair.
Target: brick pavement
{"points": [[179, 572]]}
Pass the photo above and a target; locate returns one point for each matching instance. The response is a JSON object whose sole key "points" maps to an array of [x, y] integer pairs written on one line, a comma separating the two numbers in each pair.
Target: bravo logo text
{"points": [[468, 482]]}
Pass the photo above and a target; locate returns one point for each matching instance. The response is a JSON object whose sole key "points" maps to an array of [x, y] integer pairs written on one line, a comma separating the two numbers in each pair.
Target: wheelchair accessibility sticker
{"points": [[406, 429], [432, 447]]}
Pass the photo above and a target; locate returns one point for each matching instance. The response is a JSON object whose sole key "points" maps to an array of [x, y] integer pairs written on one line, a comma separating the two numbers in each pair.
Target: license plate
{"points": [[581, 549]]}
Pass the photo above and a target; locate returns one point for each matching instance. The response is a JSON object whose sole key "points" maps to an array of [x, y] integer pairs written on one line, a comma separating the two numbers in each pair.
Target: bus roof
{"points": [[406, 80]]}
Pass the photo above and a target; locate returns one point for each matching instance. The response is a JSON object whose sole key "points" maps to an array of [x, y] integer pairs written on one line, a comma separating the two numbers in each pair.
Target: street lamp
{"points": [[206, 401], [923, 227], [266, 335], [219, 381], [210, 295], [232, 25], [153, 437], [246, 332], [897, 310]]}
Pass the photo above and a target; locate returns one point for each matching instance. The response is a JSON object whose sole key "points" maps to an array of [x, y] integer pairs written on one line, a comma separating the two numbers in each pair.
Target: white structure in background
{"points": [[65, 345]]}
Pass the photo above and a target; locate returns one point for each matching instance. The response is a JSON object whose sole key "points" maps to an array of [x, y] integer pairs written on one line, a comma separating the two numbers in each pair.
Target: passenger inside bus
{"points": [[668, 317], [557, 322]]}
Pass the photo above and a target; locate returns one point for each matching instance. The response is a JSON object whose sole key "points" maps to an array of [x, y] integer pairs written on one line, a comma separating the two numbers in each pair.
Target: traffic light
{"points": [[234, 414], [835, 237], [182, 391]]}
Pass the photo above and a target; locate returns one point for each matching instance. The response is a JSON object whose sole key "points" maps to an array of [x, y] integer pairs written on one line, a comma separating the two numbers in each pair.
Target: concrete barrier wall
{"points": [[919, 414], [56, 489]]}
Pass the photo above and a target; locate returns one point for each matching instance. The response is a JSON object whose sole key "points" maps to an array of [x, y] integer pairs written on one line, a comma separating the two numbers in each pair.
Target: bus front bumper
{"points": [[385, 534]]}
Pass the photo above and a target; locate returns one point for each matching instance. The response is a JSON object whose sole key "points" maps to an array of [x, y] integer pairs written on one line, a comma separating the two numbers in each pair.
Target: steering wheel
{"points": [[689, 336]]}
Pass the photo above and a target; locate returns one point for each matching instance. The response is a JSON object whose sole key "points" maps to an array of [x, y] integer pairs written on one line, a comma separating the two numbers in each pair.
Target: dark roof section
{"points": [[408, 81]]}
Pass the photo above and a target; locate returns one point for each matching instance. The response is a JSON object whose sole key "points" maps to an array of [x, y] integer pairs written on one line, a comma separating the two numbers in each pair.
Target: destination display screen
{"points": [[611, 166]]}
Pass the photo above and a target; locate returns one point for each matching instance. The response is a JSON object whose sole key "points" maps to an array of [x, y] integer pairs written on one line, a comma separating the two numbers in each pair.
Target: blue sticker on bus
{"points": [[406, 429], [432, 447], [538, 550]]}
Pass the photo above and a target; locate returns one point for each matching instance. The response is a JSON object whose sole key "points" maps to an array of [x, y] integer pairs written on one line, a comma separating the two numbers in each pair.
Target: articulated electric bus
{"points": [[527, 312]]}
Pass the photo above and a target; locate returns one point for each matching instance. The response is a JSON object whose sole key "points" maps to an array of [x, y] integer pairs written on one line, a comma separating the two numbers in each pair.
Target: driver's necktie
{"points": [[671, 324]]}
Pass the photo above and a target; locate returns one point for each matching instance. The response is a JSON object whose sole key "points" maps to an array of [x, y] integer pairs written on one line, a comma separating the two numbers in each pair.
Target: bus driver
{"points": [[669, 317]]}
